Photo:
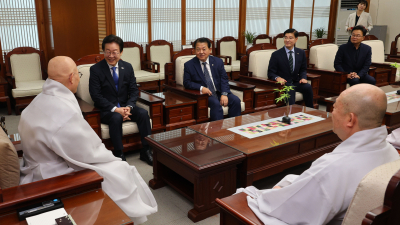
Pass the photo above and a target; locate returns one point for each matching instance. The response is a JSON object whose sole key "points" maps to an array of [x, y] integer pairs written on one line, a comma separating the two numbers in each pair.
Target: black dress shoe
{"points": [[119, 154], [146, 155], [122, 156]]}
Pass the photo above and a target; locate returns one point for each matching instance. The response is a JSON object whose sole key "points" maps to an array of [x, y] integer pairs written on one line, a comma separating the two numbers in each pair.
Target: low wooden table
{"points": [[178, 110], [93, 207], [272, 153], [199, 168], [392, 116], [3, 93]]}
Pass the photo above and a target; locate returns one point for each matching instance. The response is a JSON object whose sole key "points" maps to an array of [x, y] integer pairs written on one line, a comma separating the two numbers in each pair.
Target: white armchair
{"points": [[159, 52], [148, 79], [26, 72], [130, 131], [228, 46], [261, 39], [278, 41]]}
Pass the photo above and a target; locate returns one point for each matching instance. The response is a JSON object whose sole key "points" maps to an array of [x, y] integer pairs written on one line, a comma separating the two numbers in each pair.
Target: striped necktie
{"points": [[208, 80], [115, 78], [291, 61]]}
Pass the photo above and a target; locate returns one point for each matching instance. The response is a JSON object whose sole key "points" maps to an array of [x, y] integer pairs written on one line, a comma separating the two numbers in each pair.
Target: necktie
{"points": [[208, 80], [115, 78], [291, 61]]}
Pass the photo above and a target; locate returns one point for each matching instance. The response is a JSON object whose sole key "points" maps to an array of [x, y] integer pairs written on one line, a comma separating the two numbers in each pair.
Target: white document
{"points": [[47, 218]]}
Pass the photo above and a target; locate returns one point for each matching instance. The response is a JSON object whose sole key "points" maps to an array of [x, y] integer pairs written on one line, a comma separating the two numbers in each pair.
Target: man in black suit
{"points": [[112, 86], [288, 65], [354, 58]]}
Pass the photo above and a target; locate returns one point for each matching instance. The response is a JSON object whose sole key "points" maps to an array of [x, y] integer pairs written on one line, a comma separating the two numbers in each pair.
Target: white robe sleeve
{"points": [[394, 138]]}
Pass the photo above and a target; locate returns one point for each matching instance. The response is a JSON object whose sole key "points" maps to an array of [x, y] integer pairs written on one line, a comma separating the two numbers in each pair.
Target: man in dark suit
{"points": [[207, 74], [112, 86], [288, 65], [354, 58]]}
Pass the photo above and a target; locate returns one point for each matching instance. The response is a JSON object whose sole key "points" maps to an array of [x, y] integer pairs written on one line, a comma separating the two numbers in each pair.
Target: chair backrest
{"points": [[179, 67], [26, 64], [397, 44], [228, 48], [370, 193], [278, 41], [259, 61], [133, 54], [323, 56], [159, 51], [302, 41], [83, 65], [378, 50], [262, 38], [9, 163]]}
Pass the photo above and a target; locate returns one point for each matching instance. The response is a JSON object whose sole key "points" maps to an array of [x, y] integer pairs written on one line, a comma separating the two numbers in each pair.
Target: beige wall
{"points": [[386, 12]]}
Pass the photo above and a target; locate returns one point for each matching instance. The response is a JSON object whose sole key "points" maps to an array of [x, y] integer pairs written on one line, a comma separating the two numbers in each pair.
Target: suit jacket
{"points": [[102, 87], [345, 60], [279, 66], [365, 20], [193, 76]]}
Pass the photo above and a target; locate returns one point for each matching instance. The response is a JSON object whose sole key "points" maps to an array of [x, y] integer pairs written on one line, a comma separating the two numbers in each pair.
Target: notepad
{"points": [[47, 218]]}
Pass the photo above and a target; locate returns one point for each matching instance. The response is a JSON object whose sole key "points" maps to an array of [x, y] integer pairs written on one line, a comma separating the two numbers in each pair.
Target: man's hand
{"points": [[120, 111], [224, 100], [281, 80], [127, 113], [352, 75], [205, 90], [303, 81]]}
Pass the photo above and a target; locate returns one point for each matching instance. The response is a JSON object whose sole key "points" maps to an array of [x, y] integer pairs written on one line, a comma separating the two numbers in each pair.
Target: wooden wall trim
{"points": [[268, 16], [291, 14], [312, 20], [332, 19], [110, 17], [242, 26], [149, 20], [183, 21], [41, 7], [213, 37]]}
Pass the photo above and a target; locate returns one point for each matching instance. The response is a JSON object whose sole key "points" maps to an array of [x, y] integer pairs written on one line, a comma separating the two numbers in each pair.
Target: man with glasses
{"points": [[354, 58], [112, 86], [288, 66]]}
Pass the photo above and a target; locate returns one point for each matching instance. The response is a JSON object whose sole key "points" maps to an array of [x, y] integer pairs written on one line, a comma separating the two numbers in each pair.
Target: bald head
{"points": [[367, 102], [63, 69]]}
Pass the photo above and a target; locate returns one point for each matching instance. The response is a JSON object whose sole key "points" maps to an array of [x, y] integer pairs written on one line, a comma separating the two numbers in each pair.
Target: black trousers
{"points": [[114, 122], [307, 92], [365, 79]]}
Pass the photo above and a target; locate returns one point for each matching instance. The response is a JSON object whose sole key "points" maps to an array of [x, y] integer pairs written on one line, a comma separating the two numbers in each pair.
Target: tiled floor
{"points": [[172, 207]]}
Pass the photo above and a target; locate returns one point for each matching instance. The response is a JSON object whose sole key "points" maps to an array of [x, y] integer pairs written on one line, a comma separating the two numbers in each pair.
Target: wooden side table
{"points": [[178, 110], [3, 94]]}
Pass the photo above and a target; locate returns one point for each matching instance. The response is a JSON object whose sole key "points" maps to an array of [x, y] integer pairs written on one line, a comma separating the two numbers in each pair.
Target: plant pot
{"points": [[249, 46], [286, 119]]}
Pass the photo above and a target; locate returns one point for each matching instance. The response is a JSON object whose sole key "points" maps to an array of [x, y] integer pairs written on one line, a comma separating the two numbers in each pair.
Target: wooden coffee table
{"points": [[199, 168], [93, 207], [270, 154], [392, 116]]}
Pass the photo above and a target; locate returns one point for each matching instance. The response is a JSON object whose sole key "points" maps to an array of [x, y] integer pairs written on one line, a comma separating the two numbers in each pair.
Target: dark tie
{"points": [[208, 80], [115, 78], [291, 61]]}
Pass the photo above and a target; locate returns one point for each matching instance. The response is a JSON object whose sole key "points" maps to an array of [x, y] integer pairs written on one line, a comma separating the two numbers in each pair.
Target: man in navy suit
{"points": [[112, 86], [354, 58], [288, 65], [207, 74]]}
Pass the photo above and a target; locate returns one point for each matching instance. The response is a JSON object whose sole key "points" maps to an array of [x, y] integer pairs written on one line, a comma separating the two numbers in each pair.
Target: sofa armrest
{"points": [[227, 59], [246, 94], [154, 106], [55, 187], [241, 86], [11, 79], [150, 66]]}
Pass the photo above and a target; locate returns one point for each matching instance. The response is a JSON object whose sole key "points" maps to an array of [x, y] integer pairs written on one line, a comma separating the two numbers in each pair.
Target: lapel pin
{"points": [[297, 53], [212, 64], [122, 67]]}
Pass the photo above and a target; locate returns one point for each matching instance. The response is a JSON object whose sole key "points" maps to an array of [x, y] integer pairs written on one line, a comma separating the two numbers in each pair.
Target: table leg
{"points": [[156, 182], [9, 106]]}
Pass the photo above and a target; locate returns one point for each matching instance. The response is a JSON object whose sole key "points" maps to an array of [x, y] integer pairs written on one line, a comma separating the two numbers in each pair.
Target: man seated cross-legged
{"points": [[322, 194]]}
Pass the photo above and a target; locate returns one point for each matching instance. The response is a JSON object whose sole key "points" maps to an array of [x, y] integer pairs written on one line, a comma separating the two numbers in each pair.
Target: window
{"points": [[199, 20], [302, 12], [226, 18], [131, 20], [256, 16], [166, 22], [18, 25], [321, 15]]}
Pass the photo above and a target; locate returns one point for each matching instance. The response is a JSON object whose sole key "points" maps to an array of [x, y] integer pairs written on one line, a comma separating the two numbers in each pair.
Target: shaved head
{"points": [[63, 69], [367, 102], [359, 107]]}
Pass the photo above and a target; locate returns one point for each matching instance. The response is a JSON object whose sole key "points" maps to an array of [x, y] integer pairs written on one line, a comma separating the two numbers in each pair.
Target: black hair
{"points": [[202, 40], [360, 27], [363, 2], [291, 31], [112, 38]]}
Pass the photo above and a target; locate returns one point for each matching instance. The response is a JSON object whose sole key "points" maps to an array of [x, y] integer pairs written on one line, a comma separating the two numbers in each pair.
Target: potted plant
{"points": [[285, 96], [320, 32], [249, 38]]}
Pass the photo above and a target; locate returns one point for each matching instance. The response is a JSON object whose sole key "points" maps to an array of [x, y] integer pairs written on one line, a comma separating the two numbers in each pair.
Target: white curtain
{"points": [[302, 12], [199, 20], [321, 15], [226, 18], [256, 16], [280, 16]]}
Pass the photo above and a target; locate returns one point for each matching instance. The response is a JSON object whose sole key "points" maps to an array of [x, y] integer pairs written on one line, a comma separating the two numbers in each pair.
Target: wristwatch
{"points": [[130, 107], [224, 93]]}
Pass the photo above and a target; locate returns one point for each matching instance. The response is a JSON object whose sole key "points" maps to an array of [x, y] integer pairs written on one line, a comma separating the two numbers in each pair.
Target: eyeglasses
{"points": [[108, 53], [289, 38], [357, 36]]}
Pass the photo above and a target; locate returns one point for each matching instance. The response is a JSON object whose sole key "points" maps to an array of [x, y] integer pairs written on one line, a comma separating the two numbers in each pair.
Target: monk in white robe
{"points": [[57, 140], [394, 138], [322, 194]]}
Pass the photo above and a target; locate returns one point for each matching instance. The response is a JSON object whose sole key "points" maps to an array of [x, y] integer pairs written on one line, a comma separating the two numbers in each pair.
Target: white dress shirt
{"points": [[288, 54]]}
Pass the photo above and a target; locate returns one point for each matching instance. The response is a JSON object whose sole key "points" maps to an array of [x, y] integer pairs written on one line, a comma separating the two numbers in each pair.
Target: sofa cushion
{"points": [[323, 56], [228, 68], [179, 67], [228, 48], [279, 43], [235, 65], [144, 76], [160, 54], [132, 56], [9, 163], [127, 128], [261, 41], [225, 109], [259, 61], [83, 87], [26, 67], [378, 50], [27, 88], [302, 42]]}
